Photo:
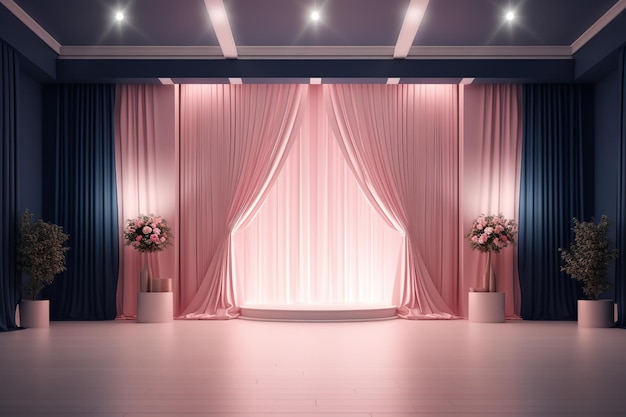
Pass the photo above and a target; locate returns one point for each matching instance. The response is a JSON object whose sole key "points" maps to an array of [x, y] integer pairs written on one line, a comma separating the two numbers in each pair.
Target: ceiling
{"points": [[380, 41]]}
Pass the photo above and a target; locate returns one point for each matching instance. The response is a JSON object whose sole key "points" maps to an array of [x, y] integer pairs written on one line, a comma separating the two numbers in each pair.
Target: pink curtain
{"points": [[234, 140], [402, 145], [492, 138], [317, 239], [145, 131]]}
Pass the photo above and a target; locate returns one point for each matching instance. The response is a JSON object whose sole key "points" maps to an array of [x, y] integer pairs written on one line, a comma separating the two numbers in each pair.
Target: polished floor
{"points": [[393, 368]]}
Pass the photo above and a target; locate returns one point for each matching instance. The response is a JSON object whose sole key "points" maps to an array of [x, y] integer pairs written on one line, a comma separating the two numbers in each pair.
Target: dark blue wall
{"points": [[607, 122]]}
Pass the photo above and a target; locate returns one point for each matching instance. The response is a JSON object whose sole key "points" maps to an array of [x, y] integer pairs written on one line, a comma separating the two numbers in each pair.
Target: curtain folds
{"points": [[80, 195], [316, 240], [492, 149], [620, 283], [401, 143], [145, 148], [9, 276], [220, 159], [234, 141], [556, 185]]}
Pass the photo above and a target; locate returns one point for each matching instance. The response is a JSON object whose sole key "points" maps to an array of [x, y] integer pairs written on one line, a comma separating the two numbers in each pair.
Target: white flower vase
{"points": [[145, 276], [489, 279]]}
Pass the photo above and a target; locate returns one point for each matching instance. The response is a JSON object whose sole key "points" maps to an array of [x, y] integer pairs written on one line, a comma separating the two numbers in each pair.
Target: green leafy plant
{"points": [[40, 252], [587, 259]]}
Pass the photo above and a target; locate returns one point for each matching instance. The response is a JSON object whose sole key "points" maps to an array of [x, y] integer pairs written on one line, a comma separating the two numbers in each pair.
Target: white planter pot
{"points": [[596, 313], [35, 313]]}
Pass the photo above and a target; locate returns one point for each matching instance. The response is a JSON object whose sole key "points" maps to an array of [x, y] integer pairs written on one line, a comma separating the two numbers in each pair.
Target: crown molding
{"points": [[140, 52], [490, 52], [314, 52]]}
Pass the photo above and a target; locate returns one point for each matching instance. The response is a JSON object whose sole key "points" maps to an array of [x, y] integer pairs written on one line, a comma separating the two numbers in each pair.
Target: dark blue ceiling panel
{"points": [[481, 22], [342, 22], [146, 23]]}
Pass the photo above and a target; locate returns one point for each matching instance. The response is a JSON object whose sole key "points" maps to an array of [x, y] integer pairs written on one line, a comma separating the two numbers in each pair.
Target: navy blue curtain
{"points": [[9, 277], [80, 195], [620, 284], [556, 186]]}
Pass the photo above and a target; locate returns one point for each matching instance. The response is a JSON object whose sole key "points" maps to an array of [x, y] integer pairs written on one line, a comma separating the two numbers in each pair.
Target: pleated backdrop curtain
{"points": [[401, 143], [9, 276], [234, 141], [556, 185], [297, 225], [316, 240], [80, 195], [145, 147], [620, 277], [492, 153]]}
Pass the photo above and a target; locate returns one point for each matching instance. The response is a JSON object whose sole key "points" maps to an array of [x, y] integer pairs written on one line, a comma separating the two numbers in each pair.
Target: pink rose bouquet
{"points": [[147, 233], [492, 233]]}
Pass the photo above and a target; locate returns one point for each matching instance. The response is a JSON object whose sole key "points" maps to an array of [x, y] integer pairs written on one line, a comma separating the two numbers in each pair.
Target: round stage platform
{"points": [[318, 312]]}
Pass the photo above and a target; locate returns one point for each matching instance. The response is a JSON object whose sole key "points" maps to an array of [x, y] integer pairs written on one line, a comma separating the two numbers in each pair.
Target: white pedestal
{"points": [[155, 307], [486, 307]]}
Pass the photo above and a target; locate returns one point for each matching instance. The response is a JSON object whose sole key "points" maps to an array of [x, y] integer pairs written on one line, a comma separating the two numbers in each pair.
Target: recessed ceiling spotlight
{"points": [[119, 16], [510, 15], [315, 16]]}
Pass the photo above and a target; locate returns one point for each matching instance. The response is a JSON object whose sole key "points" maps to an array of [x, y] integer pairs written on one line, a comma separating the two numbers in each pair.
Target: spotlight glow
{"points": [[315, 16], [510, 16], [119, 16]]}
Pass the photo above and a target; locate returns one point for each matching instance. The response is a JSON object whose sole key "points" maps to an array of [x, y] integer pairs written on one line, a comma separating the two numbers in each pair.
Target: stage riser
{"points": [[318, 314]]}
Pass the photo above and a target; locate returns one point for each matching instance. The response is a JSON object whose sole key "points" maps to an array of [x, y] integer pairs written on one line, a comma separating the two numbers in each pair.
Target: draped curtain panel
{"points": [[9, 277], [146, 150], [401, 143], [556, 185], [492, 150], [317, 239], [80, 195], [620, 283], [233, 143]]}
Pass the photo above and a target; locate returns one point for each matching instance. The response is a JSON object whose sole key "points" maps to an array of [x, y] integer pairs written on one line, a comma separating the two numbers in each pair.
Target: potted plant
{"points": [[587, 260], [41, 255]]}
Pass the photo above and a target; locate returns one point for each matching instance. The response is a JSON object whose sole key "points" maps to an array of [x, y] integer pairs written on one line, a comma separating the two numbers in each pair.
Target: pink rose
{"points": [[146, 230], [154, 238], [138, 239], [156, 231]]}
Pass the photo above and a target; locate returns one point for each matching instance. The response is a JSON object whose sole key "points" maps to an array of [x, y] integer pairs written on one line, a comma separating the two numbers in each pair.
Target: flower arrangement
{"points": [[147, 233], [492, 233]]}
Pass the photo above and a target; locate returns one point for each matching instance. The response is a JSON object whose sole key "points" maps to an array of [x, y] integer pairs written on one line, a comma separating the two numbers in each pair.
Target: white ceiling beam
{"points": [[412, 21], [235, 81], [467, 81], [32, 25], [393, 81], [166, 81], [600, 24], [315, 80], [221, 26]]}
